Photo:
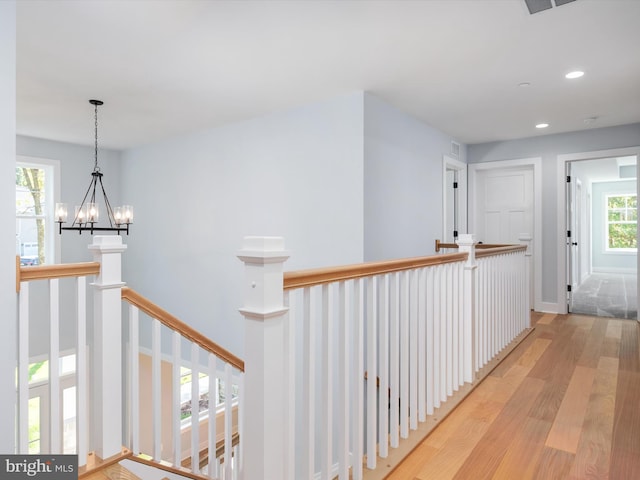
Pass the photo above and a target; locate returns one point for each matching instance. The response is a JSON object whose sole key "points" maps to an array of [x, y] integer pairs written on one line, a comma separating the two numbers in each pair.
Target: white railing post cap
{"points": [[269, 249], [466, 239], [107, 242]]}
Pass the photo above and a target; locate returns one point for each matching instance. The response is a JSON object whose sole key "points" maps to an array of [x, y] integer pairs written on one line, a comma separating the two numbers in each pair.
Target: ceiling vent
{"points": [[536, 6], [455, 149]]}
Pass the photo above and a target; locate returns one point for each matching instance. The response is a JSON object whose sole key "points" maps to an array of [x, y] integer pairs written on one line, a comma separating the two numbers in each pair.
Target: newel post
{"points": [[265, 356], [106, 405], [466, 243]]}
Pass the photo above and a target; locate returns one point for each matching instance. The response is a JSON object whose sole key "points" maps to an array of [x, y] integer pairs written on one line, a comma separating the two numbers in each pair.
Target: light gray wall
{"points": [[604, 261], [402, 182], [549, 147], [7, 218], [296, 174]]}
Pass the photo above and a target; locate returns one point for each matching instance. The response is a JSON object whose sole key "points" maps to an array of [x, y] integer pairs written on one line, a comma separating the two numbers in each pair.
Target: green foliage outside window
{"points": [[622, 219]]}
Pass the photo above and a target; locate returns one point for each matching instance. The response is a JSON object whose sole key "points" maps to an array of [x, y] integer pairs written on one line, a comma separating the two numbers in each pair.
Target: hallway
{"points": [[563, 404], [607, 295]]}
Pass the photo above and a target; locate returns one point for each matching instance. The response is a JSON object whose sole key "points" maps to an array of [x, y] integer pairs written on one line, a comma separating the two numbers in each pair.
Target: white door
{"points": [[502, 211], [504, 202]]}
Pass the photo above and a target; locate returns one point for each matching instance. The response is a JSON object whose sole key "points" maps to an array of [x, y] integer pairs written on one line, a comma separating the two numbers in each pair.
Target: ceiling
{"points": [[167, 67]]}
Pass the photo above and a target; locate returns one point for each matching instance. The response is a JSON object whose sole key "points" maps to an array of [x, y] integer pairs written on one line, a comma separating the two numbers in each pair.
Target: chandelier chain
{"points": [[95, 166]]}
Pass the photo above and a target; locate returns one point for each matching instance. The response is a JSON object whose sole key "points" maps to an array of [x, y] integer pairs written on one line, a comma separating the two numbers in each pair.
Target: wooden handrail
{"points": [[63, 270], [440, 245], [308, 278], [488, 252], [154, 311]]}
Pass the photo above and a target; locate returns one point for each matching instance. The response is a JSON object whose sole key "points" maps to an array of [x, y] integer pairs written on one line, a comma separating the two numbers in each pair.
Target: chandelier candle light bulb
{"points": [[61, 212]]}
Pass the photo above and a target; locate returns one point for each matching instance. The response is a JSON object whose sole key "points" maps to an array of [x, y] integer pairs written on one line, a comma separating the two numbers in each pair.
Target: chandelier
{"points": [[87, 213]]}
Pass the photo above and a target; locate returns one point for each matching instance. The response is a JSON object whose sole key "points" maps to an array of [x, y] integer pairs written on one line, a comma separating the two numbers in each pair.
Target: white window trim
{"points": [[52, 240], [607, 249]]}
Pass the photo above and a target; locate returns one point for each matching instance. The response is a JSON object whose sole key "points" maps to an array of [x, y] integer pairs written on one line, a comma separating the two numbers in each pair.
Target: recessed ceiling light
{"points": [[575, 74], [542, 125]]}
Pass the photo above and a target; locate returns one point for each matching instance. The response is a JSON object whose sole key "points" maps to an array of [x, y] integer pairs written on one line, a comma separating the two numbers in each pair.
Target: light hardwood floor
{"points": [[565, 404]]}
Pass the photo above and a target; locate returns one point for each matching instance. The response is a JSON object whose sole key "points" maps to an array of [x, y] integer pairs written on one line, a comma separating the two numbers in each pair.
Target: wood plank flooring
{"points": [[565, 404]]}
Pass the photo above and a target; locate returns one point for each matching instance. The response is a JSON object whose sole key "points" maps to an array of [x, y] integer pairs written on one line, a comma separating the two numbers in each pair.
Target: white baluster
{"points": [[54, 367], [213, 407], [290, 384], [308, 389], [358, 381], [82, 390], [344, 318], [156, 388], [176, 400], [413, 349], [23, 368], [383, 366], [195, 407], [422, 354], [404, 354], [372, 372], [228, 421], [394, 361], [134, 375], [327, 382]]}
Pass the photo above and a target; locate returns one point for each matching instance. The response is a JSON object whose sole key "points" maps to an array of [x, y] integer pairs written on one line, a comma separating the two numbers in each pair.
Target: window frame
{"points": [[52, 196], [608, 222]]}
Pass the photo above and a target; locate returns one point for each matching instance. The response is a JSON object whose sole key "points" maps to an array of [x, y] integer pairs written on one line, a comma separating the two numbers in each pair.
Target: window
{"points": [[622, 220], [35, 230]]}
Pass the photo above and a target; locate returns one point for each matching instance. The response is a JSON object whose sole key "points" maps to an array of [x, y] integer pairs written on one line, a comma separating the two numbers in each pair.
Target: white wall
{"points": [[548, 147], [603, 261], [7, 218], [297, 174], [402, 182]]}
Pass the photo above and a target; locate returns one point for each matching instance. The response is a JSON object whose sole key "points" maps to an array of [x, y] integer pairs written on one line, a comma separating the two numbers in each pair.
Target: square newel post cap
{"points": [[107, 250], [107, 243], [263, 285], [466, 239], [263, 250]]}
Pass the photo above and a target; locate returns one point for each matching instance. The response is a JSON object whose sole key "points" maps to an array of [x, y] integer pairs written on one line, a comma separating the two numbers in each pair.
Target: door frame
{"points": [[562, 211], [450, 163], [534, 163]]}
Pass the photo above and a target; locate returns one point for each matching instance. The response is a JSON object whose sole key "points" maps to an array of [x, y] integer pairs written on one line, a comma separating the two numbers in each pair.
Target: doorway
{"points": [[505, 207], [564, 264], [601, 252], [454, 199]]}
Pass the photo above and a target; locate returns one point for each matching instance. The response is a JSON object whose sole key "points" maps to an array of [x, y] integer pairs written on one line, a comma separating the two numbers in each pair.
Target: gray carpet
{"points": [[607, 295]]}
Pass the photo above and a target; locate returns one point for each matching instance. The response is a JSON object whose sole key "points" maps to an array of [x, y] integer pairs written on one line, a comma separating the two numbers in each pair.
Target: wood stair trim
{"points": [[204, 453], [95, 463], [166, 466]]}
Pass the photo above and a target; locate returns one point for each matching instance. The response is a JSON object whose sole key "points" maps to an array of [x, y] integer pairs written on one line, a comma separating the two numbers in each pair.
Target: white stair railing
{"points": [[183, 402], [356, 357], [60, 369], [108, 405]]}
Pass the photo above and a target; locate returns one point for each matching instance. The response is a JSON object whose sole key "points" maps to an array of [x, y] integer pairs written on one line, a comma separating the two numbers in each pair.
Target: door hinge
{"points": [[568, 178], [568, 288], [455, 184], [568, 233], [455, 234]]}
